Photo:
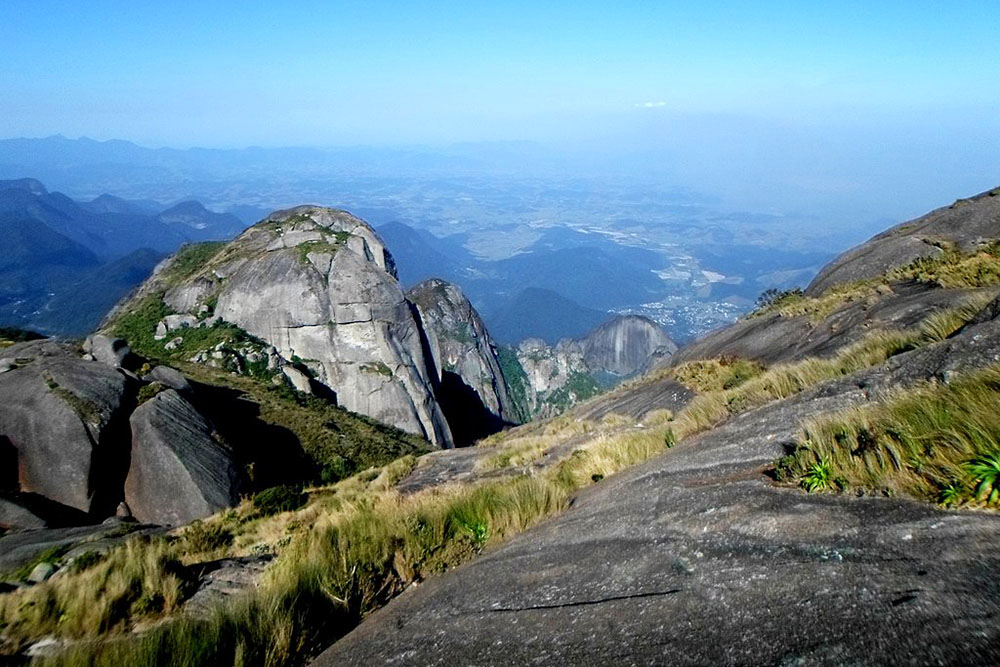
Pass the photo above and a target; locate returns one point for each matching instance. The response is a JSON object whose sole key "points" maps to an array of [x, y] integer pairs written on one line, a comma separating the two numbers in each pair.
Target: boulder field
{"points": [[78, 443]]}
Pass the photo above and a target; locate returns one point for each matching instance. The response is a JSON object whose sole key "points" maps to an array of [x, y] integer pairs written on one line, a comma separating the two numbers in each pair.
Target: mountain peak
{"points": [[32, 185]]}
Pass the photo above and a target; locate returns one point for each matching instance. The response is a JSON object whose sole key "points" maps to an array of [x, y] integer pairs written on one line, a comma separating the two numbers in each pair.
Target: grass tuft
{"points": [[937, 442]]}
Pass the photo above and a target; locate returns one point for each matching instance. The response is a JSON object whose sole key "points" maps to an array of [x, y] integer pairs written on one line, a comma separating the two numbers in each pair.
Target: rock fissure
{"points": [[580, 603]]}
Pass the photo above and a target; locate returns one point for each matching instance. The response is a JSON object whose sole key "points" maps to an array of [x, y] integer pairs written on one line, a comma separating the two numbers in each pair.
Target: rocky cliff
{"points": [[315, 292], [558, 377], [473, 391]]}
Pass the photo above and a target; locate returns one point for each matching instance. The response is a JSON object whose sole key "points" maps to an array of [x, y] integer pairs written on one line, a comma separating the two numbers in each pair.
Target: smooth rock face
{"points": [[178, 471], [63, 416], [318, 284], [624, 345], [967, 223], [473, 391]]}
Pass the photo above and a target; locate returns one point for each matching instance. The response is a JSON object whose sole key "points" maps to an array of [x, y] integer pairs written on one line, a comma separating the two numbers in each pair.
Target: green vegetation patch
{"points": [[190, 260], [462, 333], [578, 387], [277, 499], [938, 442], [377, 368], [138, 323], [517, 381], [308, 247], [339, 442]]}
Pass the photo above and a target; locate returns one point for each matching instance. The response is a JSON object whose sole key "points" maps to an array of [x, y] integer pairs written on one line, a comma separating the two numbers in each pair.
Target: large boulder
{"points": [[179, 472], [473, 393], [61, 416], [111, 351]]}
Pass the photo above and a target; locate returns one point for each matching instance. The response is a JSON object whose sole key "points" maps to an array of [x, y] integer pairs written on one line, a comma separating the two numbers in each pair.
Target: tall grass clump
{"points": [[706, 375], [282, 626], [141, 579], [944, 323], [938, 442], [369, 545]]}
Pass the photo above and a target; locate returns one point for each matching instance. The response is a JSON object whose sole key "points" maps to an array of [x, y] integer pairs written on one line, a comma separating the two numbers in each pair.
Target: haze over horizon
{"points": [[848, 108]]}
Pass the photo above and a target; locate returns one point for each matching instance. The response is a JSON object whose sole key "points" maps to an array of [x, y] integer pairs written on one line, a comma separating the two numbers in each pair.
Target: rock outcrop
{"points": [[473, 391], [178, 471], [966, 224], [319, 286], [74, 444], [574, 370], [625, 345], [64, 417]]}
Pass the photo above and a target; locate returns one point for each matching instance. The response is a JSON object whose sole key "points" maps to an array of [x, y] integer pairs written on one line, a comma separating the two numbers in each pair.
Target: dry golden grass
{"points": [[139, 580]]}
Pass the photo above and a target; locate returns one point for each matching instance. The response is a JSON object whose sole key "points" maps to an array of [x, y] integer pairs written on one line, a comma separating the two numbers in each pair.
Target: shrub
{"points": [[279, 499], [205, 537], [775, 298]]}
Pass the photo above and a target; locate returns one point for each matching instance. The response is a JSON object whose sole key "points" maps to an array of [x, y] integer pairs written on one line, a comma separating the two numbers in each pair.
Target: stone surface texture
{"points": [[63, 417], [179, 472]]}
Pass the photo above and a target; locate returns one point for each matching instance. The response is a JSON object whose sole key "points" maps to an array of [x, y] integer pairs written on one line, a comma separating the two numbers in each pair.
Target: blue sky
{"points": [[326, 73]]}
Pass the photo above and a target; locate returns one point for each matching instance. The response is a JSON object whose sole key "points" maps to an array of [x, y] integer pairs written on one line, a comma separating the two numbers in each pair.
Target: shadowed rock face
{"points": [[64, 417], [966, 223], [695, 558], [178, 471], [473, 391]]}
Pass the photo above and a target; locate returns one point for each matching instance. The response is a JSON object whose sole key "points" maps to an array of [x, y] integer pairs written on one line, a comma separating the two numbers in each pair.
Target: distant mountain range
{"points": [[67, 262]]}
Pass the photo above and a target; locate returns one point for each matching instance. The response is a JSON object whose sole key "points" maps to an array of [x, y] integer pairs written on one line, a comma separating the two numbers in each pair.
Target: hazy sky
{"points": [[216, 73]]}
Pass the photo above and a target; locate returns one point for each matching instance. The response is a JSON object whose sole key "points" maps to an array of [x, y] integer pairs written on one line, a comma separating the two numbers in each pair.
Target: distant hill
{"points": [[420, 255], [535, 312], [67, 262]]}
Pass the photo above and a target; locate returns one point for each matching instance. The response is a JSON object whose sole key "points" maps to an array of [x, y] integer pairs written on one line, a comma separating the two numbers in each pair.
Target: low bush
{"points": [[279, 499]]}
